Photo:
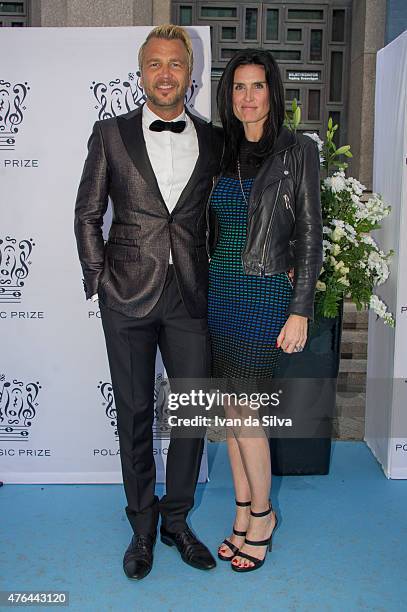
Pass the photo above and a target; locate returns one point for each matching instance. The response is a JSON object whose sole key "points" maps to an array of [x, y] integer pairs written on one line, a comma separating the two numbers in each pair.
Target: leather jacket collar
{"points": [[285, 140]]}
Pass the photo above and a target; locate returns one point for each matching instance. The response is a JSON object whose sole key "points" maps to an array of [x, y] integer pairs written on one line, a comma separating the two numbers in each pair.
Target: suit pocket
{"points": [[121, 252]]}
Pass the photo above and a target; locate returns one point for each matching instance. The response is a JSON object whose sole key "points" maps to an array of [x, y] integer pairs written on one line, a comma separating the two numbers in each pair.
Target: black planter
{"points": [[311, 392]]}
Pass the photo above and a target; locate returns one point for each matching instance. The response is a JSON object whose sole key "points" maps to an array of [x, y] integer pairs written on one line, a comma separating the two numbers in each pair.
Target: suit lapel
{"points": [[131, 132], [203, 135]]}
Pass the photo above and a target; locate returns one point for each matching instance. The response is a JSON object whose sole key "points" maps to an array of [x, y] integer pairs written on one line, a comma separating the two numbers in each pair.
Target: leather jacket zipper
{"points": [[290, 281], [262, 265], [288, 205]]}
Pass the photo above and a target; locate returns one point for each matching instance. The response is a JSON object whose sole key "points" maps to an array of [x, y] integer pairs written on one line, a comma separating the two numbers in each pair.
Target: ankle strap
{"points": [[257, 542], [265, 513], [239, 533], [242, 504]]}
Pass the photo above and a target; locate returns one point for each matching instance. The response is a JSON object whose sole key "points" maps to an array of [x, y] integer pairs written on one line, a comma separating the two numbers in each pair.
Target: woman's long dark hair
{"points": [[232, 126]]}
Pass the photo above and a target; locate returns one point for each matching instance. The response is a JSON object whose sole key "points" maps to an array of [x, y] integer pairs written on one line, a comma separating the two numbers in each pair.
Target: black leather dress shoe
{"points": [[138, 558], [191, 549]]}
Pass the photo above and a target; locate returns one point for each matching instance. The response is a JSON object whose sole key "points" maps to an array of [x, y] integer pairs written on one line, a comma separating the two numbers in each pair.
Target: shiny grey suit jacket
{"points": [[129, 271]]}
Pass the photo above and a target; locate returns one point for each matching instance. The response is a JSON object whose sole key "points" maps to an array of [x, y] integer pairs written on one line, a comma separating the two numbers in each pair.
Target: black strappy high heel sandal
{"points": [[257, 563], [230, 544]]}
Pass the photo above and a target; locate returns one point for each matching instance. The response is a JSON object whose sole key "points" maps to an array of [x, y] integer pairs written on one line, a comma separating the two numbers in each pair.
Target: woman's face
{"points": [[250, 99]]}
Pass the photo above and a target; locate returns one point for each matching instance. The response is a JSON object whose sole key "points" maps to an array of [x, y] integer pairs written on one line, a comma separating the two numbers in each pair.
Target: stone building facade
{"points": [[326, 50]]}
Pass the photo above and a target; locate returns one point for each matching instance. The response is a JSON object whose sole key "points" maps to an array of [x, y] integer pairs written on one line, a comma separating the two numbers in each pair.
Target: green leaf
{"points": [[342, 149], [297, 116]]}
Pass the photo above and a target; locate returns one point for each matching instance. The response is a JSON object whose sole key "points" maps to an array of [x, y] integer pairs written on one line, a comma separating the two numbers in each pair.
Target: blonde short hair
{"points": [[169, 31]]}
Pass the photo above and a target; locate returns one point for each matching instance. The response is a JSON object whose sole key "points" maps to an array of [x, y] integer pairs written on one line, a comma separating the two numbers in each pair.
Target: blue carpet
{"points": [[340, 545]]}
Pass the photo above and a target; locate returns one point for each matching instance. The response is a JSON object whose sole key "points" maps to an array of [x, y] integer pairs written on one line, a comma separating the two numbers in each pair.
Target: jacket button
{"points": [[285, 172], [170, 219]]}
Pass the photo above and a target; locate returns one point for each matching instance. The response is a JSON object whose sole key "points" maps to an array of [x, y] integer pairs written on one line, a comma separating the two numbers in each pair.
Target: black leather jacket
{"points": [[284, 219]]}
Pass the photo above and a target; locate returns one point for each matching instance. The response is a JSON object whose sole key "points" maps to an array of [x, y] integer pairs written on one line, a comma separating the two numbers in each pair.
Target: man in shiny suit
{"points": [[156, 164]]}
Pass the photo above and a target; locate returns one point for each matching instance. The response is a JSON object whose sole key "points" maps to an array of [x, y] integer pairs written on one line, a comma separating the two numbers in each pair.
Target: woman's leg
{"points": [[242, 492], [240, 482], [255, 455]]}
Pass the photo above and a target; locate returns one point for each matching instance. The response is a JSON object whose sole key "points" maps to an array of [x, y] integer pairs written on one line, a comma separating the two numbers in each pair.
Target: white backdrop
{"points": [[57, 414], [386, 394]]}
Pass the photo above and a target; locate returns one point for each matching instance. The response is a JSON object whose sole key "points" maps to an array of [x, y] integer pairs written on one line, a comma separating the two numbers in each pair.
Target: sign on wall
{"points": [[386, 389], [57, 413]]}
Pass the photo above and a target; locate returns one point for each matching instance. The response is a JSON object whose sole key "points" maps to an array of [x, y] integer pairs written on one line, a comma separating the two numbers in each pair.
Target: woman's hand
{"points": [[293, 335]]}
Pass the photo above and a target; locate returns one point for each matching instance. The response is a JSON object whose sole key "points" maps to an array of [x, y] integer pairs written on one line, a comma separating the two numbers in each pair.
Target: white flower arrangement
{"points": [[380, 309], [320, 144], [353, 263]]}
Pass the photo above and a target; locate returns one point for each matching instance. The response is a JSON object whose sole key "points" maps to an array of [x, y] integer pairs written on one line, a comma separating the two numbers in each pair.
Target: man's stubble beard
{"points": [[168, 102]]}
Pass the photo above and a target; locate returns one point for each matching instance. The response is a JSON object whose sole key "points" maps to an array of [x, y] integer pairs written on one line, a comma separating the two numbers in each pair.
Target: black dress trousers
{"points": [[131, 347]]}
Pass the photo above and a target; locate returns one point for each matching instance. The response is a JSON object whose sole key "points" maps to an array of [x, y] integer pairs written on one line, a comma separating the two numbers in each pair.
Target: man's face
{"points": [[165, 76]]}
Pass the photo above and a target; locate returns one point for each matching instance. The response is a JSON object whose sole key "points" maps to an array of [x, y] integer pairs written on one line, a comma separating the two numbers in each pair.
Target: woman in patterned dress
{"points": [[265, 223]]}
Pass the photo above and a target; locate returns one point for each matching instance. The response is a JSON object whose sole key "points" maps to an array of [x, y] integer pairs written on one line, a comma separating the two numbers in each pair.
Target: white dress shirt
{"points": [[172, 157]]}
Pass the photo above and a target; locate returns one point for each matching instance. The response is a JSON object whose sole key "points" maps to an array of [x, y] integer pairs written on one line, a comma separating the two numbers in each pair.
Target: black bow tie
{"points": [[172, 126]]}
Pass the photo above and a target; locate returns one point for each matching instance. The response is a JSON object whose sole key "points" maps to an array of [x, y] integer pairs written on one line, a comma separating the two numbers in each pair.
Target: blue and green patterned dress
{"points": [[245, 312]]}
